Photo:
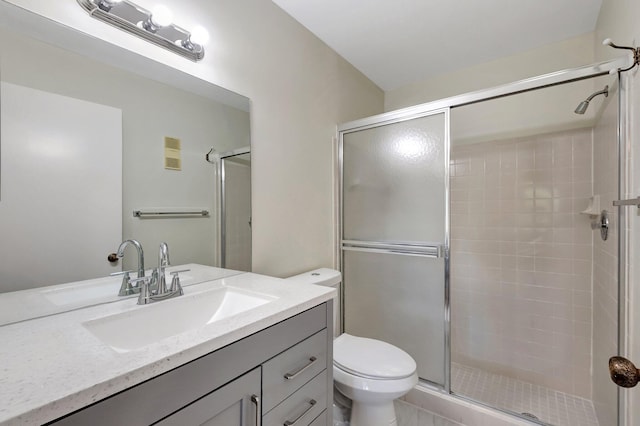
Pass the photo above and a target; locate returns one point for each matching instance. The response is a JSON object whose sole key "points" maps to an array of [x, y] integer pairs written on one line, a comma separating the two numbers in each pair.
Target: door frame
{"points": [[442, 251]]}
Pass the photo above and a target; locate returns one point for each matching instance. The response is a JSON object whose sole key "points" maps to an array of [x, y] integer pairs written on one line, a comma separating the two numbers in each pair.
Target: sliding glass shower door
{"points": [[496, 201], [395, 238]]}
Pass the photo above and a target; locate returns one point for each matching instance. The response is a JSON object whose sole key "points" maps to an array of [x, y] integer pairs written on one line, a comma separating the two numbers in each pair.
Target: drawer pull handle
{"points": [[256, 401], [292, 375], [312, 403]]}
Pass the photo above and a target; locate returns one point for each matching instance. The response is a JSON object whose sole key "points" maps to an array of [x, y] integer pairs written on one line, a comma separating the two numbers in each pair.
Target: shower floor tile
{"points": [[550, 406]]}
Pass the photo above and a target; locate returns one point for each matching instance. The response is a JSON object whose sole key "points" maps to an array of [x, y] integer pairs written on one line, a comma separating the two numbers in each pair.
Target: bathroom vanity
{"points": [[268, 364]]}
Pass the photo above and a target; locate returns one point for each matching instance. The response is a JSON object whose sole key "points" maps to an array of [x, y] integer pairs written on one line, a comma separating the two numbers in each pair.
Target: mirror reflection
{"points": [[85, 143], [235, 209]]}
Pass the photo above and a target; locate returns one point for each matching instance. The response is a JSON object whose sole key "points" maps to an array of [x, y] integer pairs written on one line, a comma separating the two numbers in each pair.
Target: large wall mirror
{"points": [[90, 134]]}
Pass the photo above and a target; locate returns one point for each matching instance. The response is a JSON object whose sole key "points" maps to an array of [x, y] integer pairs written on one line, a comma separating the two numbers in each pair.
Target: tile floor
{"points": [[410, 415], [550, 406]]}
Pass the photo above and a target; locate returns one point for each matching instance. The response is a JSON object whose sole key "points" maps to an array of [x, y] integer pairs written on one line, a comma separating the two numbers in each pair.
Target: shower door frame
{"points": [[522, 86], [424, 249], [222, 191]]}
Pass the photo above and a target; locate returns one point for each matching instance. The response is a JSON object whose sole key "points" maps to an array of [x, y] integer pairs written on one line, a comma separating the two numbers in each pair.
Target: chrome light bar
{"points": [[148, 25]]}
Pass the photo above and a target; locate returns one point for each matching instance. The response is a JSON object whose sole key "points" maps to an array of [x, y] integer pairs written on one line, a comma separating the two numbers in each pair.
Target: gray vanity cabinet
{"points": [[278, 376], [235, 404]]}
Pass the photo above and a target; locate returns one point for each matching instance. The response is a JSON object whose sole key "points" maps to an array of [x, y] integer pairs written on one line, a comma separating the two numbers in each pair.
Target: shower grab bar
{"points": [[425, 250], [141, 214]]}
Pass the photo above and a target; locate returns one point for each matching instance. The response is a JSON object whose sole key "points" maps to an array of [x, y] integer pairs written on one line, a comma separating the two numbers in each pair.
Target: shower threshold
{"points": [[548, 406]]}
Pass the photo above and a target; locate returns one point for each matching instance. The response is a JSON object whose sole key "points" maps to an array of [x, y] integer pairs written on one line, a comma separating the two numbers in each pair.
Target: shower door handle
{"points": [[629, 202], [623, 372], [424, 250]]}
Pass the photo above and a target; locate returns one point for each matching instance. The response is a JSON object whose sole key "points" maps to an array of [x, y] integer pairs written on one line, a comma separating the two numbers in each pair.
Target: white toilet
{"points": [[370, 372]]}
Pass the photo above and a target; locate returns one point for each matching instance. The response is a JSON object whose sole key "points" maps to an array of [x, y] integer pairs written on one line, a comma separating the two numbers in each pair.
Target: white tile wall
{"points": [[522, 258]]}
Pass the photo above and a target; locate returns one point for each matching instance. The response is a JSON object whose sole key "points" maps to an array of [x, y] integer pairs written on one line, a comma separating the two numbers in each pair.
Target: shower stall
{"points": [[234, 208], [472, 236]]}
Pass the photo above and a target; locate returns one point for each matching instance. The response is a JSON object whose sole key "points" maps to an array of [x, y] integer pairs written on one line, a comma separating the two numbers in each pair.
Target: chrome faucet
{"points": [[138, 247], [163, 262], [158, 280]]}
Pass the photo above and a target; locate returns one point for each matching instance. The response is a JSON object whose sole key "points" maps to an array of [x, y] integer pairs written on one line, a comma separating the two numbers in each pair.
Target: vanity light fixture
{"points": [[154, 26]]}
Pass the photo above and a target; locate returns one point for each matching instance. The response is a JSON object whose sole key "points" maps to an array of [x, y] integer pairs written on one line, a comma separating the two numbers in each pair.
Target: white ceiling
{"points": [[397, 42]]}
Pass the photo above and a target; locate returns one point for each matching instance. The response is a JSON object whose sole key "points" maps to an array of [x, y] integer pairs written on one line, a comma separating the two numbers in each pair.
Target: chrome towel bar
{"points": [[143, 214]]}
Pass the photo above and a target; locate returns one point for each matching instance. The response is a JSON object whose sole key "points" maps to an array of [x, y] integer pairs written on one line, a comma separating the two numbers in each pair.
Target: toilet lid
{"points": [[371, 358]]}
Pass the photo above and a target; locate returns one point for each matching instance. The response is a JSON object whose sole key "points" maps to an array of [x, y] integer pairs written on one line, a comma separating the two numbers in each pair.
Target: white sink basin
{"points": [[137, 328]]}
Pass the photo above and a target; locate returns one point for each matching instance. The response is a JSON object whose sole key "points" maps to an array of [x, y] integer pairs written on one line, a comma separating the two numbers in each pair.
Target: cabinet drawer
{"points": [[303, 406], [287, 372], [321, 420]]}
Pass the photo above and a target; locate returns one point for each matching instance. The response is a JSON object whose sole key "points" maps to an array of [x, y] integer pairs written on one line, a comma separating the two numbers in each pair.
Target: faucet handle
{"points": [[145, 292], [115, 274], [125, 288], [175, 281]]}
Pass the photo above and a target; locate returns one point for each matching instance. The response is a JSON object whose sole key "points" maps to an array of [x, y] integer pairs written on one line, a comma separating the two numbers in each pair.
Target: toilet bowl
{"points": [[371, 373]]}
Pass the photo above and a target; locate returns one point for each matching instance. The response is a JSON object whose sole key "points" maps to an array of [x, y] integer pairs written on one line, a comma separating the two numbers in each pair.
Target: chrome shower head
{"points": [[582, 107]]}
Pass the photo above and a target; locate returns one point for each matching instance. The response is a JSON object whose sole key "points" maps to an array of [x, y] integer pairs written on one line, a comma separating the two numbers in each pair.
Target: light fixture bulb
{"points": [[106, 5], [161, 16], [199, 36]]}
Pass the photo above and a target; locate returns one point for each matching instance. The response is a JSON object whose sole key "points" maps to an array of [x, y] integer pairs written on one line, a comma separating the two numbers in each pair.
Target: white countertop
{"points": [[52, 366]]}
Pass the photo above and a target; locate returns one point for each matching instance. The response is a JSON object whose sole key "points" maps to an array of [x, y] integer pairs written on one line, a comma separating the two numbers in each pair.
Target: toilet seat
{"points": [[371, 359], [376, 389]]}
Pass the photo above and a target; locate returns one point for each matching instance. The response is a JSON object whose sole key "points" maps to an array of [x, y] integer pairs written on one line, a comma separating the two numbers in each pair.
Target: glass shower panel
{"points": [[236, 212], [498, 238], [398, 299], [533, 287], [394, 181]]}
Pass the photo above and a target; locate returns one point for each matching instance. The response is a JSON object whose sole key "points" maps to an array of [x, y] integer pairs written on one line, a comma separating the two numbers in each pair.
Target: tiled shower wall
{"points": [[521, 260]]}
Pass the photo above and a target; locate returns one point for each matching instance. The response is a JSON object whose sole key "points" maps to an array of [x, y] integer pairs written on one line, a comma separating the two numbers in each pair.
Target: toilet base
{"points": [[373, 414]]}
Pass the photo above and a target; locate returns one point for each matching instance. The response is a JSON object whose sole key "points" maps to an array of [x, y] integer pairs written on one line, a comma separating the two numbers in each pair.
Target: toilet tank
{"points": [[329, 278]]}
